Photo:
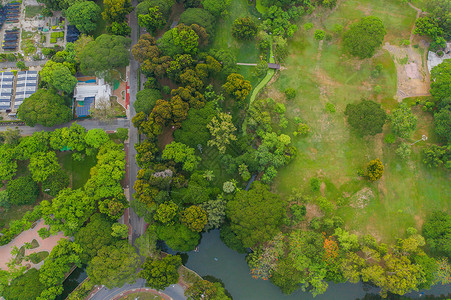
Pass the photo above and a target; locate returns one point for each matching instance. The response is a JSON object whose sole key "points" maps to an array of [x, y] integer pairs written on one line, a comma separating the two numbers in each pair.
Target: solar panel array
{"points": [[27, 84], [6, 90]]}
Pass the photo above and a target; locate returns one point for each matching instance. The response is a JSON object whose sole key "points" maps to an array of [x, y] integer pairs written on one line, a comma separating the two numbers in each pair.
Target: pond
{"points": [[216, 259], [72, 281]]}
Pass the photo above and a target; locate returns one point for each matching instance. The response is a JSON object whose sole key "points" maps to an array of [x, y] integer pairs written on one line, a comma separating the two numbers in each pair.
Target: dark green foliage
{"points": [[44, 107], [364, 37], [290, 93], [95, 235], [200, 17], [194, 129], [161, 273], [178, 237], [366, 117], [119, 29], [26, 286], [145, 100], [231, 240], [216, 7], [403, 121], [4, 200], [56, 182], [163, 5], [105, 53], [122, 134], [84, 15], [315, 184], [244, 28], [256, 215], [22, 190], [437, 232], [298, 212], [442, 122]]}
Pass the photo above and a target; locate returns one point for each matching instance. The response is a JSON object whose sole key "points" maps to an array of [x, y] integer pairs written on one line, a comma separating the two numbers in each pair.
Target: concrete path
{"points": [[88, 124], [27, 236], [174, 291], [12, 64]]}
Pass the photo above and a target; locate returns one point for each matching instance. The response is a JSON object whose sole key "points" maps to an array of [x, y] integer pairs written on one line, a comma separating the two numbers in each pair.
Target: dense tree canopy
{"points": [[237, 86], [178, 237], [84, 15], [116, 10], [437, 231], [441, 80], [22, 190], [105, 53], [146, 100], [200, 17], [26, 286], [42, 165], [364, 37], [244, 28], [161, 273], [256, 214], [114, 265], [44, 107], [403, 121], [216, 7], [366, 117]]}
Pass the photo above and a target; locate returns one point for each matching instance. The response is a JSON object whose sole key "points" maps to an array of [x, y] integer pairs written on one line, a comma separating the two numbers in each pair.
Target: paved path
{"points": [[137, 224], [174, 291], [28, 236], [88, 124]]}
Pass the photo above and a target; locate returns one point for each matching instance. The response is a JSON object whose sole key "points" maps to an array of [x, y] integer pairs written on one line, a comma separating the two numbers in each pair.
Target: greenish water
{"points": [[72, 281], [216, 259]]}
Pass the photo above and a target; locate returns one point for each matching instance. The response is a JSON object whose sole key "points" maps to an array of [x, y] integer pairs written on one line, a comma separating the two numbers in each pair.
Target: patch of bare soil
{"points": [[312, 212], [413, 76], [165, 138], [362, 198], [419, 221]]}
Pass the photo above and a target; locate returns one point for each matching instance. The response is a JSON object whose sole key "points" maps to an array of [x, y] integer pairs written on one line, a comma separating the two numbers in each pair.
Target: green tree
{"points": [[222, 132], [181, 153], [44, 107], [178, 237], [68, 211], [114, 265], [366, 117], [166, 212], [437, 232], [206, 290], [319, 34], [116, 10], [8, 164], [22, 190], [84, 15], [96, 138], [244, 28], [153, 20], [186, 38], [440, 80], [105, 53], [63, 80], [237, 87], [375, 169], [364, 37], [4, 200], [52, 274], [200, 17], [215, 7], [42, 165], [428, 26], [256, 215], [146, 100], [26, 286], [435, 156], [442, 122], [216, 212], [38, 142], [119, 230], [194, 217], [95, 235], [403, 121], [117, 28], [403, 151], [161, 273]]}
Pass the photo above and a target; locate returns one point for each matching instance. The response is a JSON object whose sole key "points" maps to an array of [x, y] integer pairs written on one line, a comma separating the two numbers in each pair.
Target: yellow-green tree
{"points": [[116, 10], [375, 169], [222, 132], [194, 217]]}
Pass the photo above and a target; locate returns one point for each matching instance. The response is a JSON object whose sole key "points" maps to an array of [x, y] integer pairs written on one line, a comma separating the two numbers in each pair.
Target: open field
{"points": [[321, 73]]}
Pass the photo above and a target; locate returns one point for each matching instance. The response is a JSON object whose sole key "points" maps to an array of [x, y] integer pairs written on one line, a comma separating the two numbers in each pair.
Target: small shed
{"points": [[274, 66]]}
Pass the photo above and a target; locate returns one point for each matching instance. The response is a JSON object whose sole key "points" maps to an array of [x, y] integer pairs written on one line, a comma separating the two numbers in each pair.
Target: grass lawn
{"points": [[78, 170], [32, 11], [141, 296], [408, 191]]}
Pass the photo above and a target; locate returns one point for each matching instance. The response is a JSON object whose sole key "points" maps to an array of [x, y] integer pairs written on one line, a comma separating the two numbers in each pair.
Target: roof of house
{"points": [[82, 110]]}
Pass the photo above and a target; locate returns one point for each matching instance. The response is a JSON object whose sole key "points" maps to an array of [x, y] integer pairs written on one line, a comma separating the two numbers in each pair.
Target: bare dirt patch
{"points": [[413, 77], [362, 198]]}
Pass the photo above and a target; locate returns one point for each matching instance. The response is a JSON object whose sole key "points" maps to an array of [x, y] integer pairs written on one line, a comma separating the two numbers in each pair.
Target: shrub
{"points": [[244, 28], [375, 169], [435, 156], [366, 117], [325, 205], [319, 34], [308, 26], [364, 37], [228, 187], [44, 233], [315, 184], [298, 212], [303, 129], [330, 107], [403, 151], [290, 93], [390, 138]]}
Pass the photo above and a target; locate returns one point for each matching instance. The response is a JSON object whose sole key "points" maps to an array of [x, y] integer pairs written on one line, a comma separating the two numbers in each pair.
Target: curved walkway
{"points": [[140, 290], [173, 292]]}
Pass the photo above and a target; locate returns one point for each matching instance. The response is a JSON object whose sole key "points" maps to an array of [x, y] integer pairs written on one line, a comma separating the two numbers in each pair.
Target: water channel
{"points": [[72, 281], [216, 259]]}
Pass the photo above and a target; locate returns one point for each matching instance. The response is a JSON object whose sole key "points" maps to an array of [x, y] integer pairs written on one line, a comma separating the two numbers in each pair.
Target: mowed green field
{"points": [[409, 190]]}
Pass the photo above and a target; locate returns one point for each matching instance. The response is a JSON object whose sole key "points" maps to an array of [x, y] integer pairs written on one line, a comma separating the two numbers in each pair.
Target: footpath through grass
{"points": [[408, 191]]}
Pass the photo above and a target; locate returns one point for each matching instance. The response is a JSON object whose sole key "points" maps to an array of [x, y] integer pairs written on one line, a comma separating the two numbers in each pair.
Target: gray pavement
{"points": [[88, 124], [175, 291], [12, 64], [138, 224]]}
